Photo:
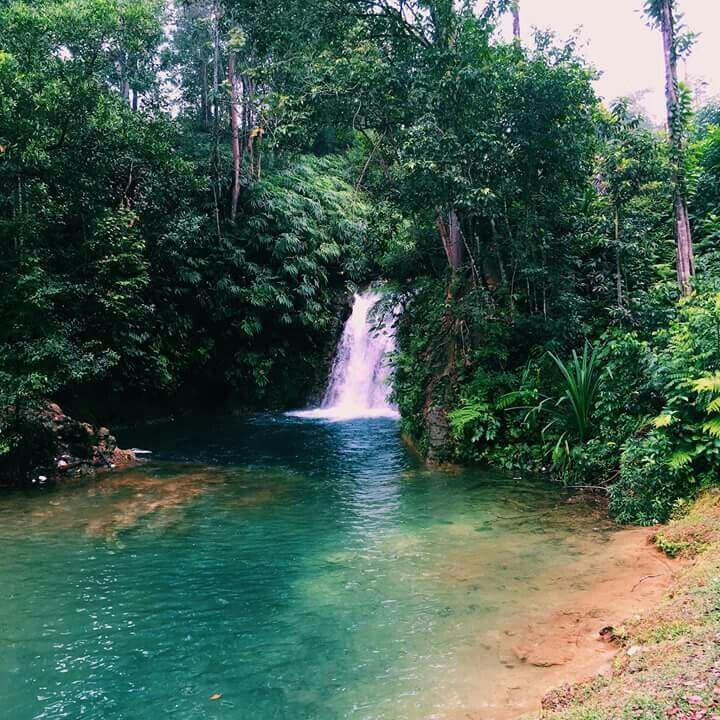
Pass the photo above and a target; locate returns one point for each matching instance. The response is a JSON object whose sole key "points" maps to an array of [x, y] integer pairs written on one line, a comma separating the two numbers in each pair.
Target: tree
{"points": [[234, 124], [515, 9], [628, 162], [663, 15]]}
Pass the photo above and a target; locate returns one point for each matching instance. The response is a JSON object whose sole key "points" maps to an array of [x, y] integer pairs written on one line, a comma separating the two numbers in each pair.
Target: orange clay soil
{"points": [[561, 641]]}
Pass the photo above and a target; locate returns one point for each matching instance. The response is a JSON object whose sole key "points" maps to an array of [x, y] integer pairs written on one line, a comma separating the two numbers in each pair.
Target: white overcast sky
{"points": [[625, 50]]}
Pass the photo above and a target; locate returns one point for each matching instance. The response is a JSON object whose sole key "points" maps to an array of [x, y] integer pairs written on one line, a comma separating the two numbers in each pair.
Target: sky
{"points": [[628, 53]]}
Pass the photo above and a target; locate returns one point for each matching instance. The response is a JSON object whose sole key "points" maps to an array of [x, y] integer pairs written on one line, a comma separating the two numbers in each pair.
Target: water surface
{"points": [[300, 569]]}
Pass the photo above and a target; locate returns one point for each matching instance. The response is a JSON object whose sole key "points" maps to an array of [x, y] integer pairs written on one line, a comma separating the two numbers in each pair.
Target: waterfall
{"points": [[359, 380]]}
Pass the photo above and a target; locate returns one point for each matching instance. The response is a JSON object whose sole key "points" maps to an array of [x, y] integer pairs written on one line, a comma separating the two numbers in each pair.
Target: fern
{"points": [[713, 406], [712, 427], [475, 419], [510, 400], [680, 459], [664, 420], [710, 384]]}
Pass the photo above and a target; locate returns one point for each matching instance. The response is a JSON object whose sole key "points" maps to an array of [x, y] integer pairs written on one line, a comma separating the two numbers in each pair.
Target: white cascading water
{"points": [[359, 379]]}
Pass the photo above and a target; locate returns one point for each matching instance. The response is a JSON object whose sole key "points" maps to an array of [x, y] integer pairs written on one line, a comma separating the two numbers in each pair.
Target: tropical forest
{"points": [[359, 360]]}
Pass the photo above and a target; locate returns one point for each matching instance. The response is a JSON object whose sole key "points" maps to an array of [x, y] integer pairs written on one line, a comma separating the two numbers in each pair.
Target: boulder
{"points": [[50, 444]]}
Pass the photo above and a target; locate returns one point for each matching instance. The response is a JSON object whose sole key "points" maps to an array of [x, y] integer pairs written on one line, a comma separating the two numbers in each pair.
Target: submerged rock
{"points": [[545, 654]]}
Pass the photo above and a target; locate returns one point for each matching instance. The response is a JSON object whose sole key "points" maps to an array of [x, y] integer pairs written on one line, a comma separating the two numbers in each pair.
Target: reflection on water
{"points": [[300, 569]]}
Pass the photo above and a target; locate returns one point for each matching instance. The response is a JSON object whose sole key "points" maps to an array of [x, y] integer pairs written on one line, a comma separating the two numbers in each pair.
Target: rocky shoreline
{"points": [[58, 448]]}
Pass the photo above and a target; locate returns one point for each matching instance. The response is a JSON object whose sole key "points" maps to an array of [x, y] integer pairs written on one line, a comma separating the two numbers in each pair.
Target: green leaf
{"points": [[680, 459], [711, 383], [712, 427], [664, 420]]}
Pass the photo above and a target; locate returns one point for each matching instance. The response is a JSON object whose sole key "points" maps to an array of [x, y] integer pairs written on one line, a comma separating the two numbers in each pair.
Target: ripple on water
{"points": [[299, 569]]}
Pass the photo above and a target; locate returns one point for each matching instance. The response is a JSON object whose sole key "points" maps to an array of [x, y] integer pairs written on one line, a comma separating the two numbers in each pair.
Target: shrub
{"points": [[649, 486], [475, 426], [679, 451]]}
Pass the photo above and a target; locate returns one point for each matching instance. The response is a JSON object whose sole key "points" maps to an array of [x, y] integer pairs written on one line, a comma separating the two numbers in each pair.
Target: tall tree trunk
{"points": [[498, 253], [251, 152], [216, 116], [124, 82], [515, 10], [216, 61], [248, 122], [439, 391], [449, 229], [204, 110], [618, 263], [683, 235], [235, 136]]}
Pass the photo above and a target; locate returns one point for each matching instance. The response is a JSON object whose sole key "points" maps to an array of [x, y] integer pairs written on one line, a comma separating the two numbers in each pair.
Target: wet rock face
{"points": [[438, 434], [48, 444]]}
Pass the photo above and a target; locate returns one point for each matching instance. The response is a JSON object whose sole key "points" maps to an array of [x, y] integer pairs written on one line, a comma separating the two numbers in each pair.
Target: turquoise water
{"points": [[297, 569]]}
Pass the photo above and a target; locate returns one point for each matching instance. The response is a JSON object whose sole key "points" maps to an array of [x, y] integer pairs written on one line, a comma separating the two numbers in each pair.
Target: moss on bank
{"points": [[669, 663]]}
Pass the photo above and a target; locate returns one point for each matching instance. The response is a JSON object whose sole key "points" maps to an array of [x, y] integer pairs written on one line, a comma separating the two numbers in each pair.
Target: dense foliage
{"points": [[188, 192]]}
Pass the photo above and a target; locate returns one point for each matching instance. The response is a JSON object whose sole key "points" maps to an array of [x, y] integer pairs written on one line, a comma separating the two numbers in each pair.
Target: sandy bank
{"points": [[621, 576]]}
